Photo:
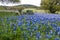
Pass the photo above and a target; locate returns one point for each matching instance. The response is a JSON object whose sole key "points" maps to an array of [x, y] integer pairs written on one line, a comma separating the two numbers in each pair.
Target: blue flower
{"points": [[38, 35], [52, 20], [20, 17], [28, 28], [42, 19], [58, 19], [46, 19], [59, 33], [14, 28], [47, 33], [31, 17], [58, 29], [33, 22], [56, 39], [35, 28], [25, 33], [53, 25], [51, 32], [42, 22], [28, 23], [19, 23], [48, 36]]}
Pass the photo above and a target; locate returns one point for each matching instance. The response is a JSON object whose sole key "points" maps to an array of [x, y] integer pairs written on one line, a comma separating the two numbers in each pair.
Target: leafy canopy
{"points": [[51, 5]]}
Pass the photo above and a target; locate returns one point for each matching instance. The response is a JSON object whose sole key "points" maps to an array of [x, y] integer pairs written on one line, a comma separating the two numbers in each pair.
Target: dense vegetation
{"points": [[14, 0], [30, 27], [51, 5], [9, 0], [37, 26], [3, 14]]}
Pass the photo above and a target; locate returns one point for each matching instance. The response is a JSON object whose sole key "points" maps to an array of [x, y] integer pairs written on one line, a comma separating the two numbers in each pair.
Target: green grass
{"points": [[7, 14], [2, 8]]}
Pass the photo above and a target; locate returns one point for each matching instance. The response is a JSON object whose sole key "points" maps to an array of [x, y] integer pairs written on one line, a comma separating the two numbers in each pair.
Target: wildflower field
{"points": [[30, 27]]}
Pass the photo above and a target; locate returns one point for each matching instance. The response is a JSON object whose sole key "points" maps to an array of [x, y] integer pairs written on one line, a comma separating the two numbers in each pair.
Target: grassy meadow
{"points": [[29, 27], [3, 14]]}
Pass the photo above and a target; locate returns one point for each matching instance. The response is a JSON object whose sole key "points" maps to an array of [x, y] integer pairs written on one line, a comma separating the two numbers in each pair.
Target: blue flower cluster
{"points": [[32, 27]]}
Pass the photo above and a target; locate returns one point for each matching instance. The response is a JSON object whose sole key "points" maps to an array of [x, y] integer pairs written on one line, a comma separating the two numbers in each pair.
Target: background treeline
{"points": [[51, 5], [9, 1]]}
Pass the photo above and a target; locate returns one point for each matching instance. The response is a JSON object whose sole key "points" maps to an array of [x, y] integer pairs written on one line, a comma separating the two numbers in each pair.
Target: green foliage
{"points": [[14, 0], [51, 5], [10, 0], [2, 8], [17, 0], [29, 12], [2, 14]]}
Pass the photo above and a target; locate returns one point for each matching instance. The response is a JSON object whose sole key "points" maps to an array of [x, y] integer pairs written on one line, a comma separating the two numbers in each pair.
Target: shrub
{"points": [[29, 12]]}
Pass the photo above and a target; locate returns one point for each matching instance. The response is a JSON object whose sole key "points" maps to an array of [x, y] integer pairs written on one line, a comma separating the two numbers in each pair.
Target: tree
{"points": [[51, 5], [10, 0], [14, 0]]}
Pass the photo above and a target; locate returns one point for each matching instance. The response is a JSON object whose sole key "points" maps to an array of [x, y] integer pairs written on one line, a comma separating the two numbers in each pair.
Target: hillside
{"points": [[18, 7]]}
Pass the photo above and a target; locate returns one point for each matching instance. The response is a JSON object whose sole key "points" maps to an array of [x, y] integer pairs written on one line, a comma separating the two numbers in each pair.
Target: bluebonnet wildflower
{"points": [[52, 20], [58, 29], [53, 25], [19, 23], [28, 23], [46, 19], [35, 28], [56, 39], [48, 36], [42, 18], [42, 22], [8, 20], [31, 17], [51, 32], [58, 19], [25, 33], [28, 29], [20, 18], [14, 28], [59, 33], [38, 35], [33, 25]]}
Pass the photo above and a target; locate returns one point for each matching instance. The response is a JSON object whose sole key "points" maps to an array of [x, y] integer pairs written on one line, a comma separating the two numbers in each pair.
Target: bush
{"points": [[29, 12]]}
